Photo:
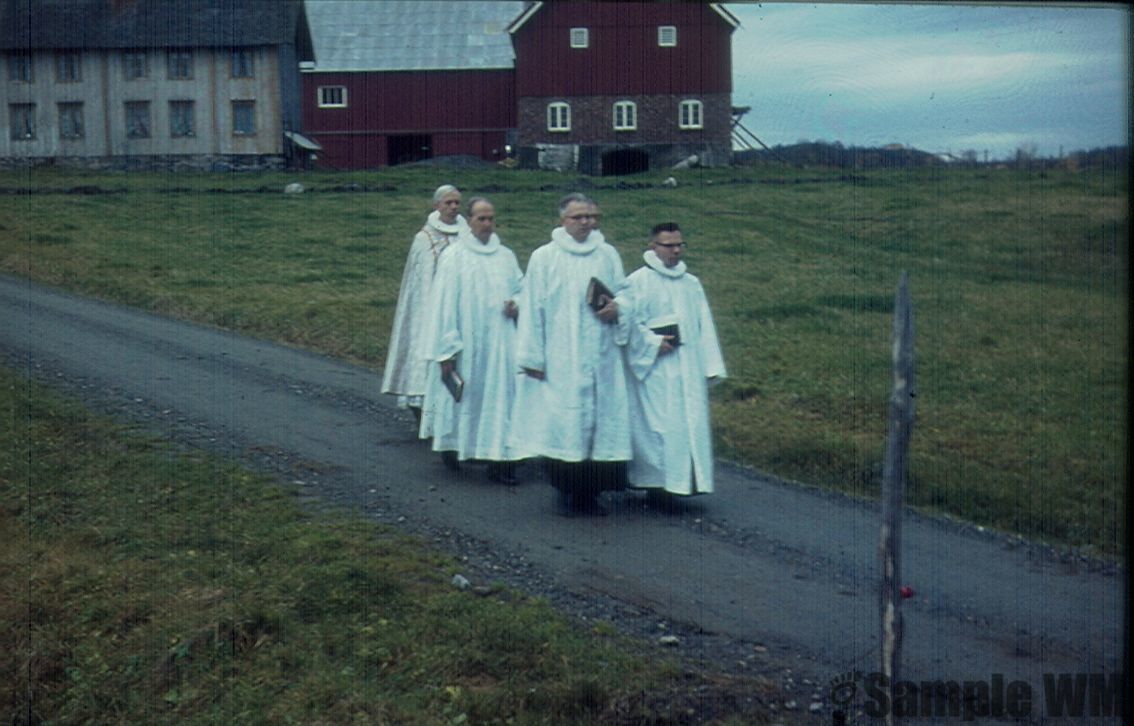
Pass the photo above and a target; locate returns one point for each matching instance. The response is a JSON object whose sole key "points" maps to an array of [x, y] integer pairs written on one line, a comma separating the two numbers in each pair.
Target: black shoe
{"points": [[502, 472], [449, 459], [577, 504]]}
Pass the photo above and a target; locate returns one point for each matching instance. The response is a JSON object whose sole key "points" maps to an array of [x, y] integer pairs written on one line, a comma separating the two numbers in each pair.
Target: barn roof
{"points": [[83, 24], [531, 8], [401, 35]]}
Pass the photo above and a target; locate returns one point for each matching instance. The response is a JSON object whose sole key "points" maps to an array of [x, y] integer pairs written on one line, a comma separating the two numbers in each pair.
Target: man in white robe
{"points": [[669, 400], [404, 374], [571, 405], [472, 330]]}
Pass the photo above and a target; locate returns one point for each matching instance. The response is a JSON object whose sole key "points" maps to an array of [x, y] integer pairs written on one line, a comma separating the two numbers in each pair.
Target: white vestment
{"points": [[579, 411], [473, 282], [669, 400], [404, 374]]}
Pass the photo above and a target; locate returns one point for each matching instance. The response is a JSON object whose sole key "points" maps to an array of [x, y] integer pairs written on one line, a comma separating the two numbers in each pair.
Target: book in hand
{"points": [[454, 383], [666, 325], [596, 291]]}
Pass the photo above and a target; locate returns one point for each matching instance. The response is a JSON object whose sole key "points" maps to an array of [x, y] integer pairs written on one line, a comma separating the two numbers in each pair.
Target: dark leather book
{"points": [[454, 383], [596, 291], [666, 325]]}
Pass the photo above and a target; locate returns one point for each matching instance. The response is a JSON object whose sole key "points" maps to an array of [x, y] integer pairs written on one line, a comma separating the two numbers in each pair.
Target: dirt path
{"points": [[775, 575]]}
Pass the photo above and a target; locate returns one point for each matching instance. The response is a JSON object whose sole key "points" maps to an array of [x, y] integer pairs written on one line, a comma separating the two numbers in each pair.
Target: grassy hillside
{"points": [[1018, 280]]}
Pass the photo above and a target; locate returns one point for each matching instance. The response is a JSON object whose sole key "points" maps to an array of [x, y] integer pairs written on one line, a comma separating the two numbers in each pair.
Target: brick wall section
{"points": [[592, 121]]}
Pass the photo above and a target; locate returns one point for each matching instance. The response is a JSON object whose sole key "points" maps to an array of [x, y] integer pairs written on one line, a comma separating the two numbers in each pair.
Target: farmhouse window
{"points": [[690, 115], [71, 120], [181, 119], [242, 63], [20, 68], [625, 116], [667, 36], [332, 97], [137, 119], [22, 121], [135, 64], [180, 64], [558, 116], [68, 67], [243, 118], [580, 38]]}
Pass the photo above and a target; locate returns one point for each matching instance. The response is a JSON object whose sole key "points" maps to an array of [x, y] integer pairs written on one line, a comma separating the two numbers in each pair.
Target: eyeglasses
{"points": [[584, 216]]}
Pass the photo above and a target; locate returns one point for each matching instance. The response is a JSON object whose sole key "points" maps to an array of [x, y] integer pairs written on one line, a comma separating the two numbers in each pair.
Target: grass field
{"points": [[127, 595], [1019, 282]]}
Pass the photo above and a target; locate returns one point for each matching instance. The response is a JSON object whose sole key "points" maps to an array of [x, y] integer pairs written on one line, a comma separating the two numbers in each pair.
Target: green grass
{"points": [[143, 585], [1018, 280]]}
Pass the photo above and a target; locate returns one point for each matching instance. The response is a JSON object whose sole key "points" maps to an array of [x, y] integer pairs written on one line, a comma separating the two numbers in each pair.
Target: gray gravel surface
{"points": [[763, 577]]}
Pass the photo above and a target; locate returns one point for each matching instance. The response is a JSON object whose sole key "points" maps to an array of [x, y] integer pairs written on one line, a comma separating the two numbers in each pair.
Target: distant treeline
{"points": [[836, 155]]}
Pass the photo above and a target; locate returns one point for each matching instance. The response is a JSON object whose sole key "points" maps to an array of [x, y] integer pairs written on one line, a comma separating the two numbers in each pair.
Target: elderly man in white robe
{"points": [[672, 354], [405, 371], [571, 405], [472, 331]]}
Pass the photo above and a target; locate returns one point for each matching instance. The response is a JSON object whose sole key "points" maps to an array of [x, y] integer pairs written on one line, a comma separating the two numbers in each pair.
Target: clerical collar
{"points": [[568, 243], [656, 264], [434, 221], [481, 248]]}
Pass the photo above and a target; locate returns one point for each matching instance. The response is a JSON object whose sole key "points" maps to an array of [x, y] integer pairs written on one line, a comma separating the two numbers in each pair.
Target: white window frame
{"points": [[68, 66], [324, 97], [690, 108], [71, 120], [558, 117], [182, 110], [243, 109], [135, 64], [627, 120], [24, 113], [667, 36], [580, 38]]}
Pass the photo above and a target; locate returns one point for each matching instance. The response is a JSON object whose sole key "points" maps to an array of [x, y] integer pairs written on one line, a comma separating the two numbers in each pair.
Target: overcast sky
{"points": [[939, 78]]}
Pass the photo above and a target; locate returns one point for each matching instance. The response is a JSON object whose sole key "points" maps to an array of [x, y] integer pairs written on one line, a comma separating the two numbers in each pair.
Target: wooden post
{"points": [[894, 472]]}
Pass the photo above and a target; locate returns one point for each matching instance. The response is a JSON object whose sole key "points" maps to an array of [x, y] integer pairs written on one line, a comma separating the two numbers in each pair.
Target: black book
{"points": [[596, 291], [666, 325], [454, 383]]}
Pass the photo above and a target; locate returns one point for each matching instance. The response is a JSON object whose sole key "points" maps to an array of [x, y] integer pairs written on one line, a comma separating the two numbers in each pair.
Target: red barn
{"points": [[399, 81], [616, 87], [602, 87]]}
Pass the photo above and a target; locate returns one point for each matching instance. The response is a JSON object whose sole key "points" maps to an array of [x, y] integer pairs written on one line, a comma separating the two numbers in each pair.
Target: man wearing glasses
{"points": [[671, 355], [571, 406]]}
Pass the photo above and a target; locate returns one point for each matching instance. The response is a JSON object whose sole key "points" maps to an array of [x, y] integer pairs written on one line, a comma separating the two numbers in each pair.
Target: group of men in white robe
{"points": [[608, 392]]}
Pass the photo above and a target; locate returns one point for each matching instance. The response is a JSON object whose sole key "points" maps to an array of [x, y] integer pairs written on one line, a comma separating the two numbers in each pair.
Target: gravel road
{"points": [[764, 576]]}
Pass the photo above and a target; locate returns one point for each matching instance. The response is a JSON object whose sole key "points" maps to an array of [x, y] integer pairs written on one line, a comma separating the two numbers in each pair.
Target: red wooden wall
{"points": [[624, 57], [463, 111]]}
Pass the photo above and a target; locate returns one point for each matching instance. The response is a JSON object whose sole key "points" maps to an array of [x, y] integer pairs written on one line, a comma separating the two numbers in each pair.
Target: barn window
{"points": [[332, 97], [625, 116], [690, 115], [68, 67], [242, 63], [137, 119], [181, 119], [20, 68], [135, 64], [21, 121], [580, 38], [71, 120], [180, 64], [667, 36], [243, 118], [558, 116]]}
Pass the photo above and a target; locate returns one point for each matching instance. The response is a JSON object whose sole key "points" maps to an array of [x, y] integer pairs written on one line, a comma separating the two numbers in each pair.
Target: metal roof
{"points": [[81, 24], [408, 35]]}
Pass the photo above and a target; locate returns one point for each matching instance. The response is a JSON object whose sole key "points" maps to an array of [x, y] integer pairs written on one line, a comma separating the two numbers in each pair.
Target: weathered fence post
{"points": [[894, 472]]}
